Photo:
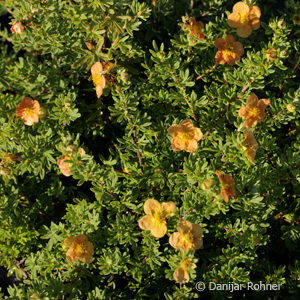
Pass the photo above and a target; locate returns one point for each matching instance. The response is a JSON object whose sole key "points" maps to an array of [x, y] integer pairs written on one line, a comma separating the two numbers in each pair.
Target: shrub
{"points": [[147, 146]]}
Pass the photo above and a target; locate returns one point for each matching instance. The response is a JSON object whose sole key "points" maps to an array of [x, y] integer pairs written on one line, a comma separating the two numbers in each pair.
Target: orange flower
{"points": [[195, 28], [250, 145], [17, 28], [271, 54], [189, 236], [156, 217], [98, 78], [28, 111], [185, 136], [227, 184], [245, 18], [79, 248], [229, 52], [64, 166], [181, 274], [254, 111]]}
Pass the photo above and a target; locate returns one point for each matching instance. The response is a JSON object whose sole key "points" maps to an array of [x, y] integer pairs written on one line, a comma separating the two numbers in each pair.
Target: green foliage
{"points": [[161, 75]]}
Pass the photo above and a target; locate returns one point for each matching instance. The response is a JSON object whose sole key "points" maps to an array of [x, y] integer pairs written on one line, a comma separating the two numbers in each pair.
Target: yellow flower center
{"points": [[80, 249], [185, 136], [188, 237], [254, 112], [244, 18], [28, 112], [159, 216]]}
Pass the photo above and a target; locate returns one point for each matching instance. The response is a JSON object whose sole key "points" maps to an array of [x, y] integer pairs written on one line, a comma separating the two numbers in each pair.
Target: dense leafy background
{"points": [[129, 156]]}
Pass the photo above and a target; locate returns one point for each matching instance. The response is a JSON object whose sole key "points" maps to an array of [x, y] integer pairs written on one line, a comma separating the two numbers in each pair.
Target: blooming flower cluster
{"points": [[189, 236], [245, 18]]}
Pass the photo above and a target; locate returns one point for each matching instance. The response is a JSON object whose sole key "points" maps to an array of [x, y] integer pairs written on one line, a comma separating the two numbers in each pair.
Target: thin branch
{"points": [[17, 264], [204, 74], [136, 143]]}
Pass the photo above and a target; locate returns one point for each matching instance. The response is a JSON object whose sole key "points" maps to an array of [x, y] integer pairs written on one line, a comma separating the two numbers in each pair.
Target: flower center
{"points": [[244, 18], [188, 237], [28, 112], [254, 112], [80, 249]]}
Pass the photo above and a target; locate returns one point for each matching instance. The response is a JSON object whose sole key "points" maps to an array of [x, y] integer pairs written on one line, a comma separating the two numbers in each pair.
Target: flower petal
{"points": [[198, 135], [191, 146], [184, 226], [81, 238], [174, 239], [238, 48], [174, 129], [230, 39], [255, 24], [181, 276], [254, 12], [234, 20], [169, 209], [220, 43], [96, 68], [68, 242], [146, 222], [197, 230], [159, 229], [252, 100], [244, 31], [241, 8], [220, 58], [151, 206]]}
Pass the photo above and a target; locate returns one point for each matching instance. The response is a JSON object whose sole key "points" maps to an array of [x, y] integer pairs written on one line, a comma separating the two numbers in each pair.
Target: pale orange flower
{"points": [[64, 166], [181, 274], [28, 111], [189, 236], [156, 217], [227, 185], [296, 19], [195, 28], [245, 18], [185, 136], [98, 78], [254, 111], [229, 51], [17, 28], [250, 145], [271, 54], [79, 248]]}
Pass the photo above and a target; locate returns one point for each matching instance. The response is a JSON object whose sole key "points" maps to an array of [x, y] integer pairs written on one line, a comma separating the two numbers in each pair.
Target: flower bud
{"points": [[271, 54], [42, 112], [4, 171], [206, 184], [17, 28], [291, 108], [296, 20]]}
